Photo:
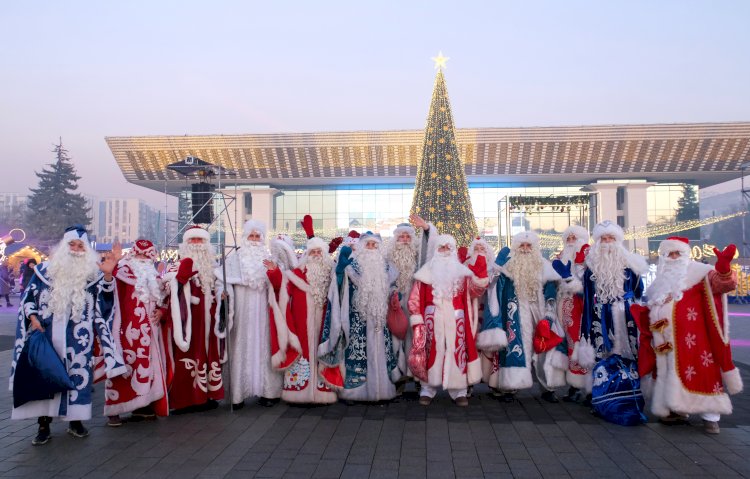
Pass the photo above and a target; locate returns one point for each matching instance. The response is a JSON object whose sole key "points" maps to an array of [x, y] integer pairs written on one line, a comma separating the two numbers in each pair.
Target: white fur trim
{"points": [[581, 233], [279, 245], [696, 272], [424, 275], [525, 237], [492, 340], [511, 379], [253, 225], [732, 381], [557, 359], [548, 272], [316, 242], [609, 228], [577, 380], [555, 366], [571, 286], [668, 245], [196, 232], [637, 263], [586, 354], [284, 336], [181, 340], [415, 319]]}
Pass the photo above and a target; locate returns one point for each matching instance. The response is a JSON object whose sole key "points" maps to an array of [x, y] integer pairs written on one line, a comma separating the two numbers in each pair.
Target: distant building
{"points": [[126, 220]]}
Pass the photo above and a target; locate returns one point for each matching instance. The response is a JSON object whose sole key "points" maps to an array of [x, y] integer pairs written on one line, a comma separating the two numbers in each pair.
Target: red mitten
{"points": [[185, 270], [479, 268], [463, 253], [724, 258], [544, 338], [581, 255], [334, 244], [307, 225]]}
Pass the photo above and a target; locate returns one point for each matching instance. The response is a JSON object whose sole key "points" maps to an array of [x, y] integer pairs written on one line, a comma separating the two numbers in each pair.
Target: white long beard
{"points": [[203, 262], [526, 272], [569, 251], [670, 280], [447, 275], [69, 274], [371, 299], [607, 262], [404, 257], [252, 255], [147, 287], [318, 272]]}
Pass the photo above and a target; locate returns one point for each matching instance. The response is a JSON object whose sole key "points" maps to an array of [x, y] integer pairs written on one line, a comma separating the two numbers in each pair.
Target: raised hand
{"points": [[270, 265], [581, 255], [418, 222], [307, 225], [463, 253], [724, 258], [344, 255], [334, 244], [563, 269], [503, 256], [185, 270], [479, 268]]}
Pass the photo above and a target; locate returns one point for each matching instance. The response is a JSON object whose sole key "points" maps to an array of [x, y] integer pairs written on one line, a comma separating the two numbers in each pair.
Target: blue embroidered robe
{"points": [[73, 340], [370, 358], [511, 368], [599, 323]]}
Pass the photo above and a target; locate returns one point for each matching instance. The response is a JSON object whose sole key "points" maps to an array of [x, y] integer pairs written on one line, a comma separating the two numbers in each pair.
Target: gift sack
{"points": [[616, 395]]}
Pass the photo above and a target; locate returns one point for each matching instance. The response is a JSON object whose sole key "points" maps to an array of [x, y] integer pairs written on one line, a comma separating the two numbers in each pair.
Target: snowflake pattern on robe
{"points": [[298, 375]]}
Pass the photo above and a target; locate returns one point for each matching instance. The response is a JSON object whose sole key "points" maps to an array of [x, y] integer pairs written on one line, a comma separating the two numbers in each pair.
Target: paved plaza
{"points": [[528, 438]]}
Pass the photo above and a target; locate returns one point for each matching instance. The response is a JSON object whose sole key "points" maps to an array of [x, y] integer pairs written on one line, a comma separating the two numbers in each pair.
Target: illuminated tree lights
{"points": [[441, 194]]}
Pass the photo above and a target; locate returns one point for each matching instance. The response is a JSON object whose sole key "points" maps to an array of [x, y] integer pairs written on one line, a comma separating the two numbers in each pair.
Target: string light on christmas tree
{"points": [[441, 194]]}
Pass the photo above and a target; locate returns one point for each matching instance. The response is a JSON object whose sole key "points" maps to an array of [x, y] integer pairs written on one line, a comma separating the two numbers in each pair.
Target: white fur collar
{"points": [[424, 275], [696, 272]]}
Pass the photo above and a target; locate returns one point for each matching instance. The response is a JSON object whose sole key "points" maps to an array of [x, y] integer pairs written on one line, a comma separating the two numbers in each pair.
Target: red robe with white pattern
{"points": [[691, 340], [140, 341], [306, 379], [193, 343], [452, 358]]}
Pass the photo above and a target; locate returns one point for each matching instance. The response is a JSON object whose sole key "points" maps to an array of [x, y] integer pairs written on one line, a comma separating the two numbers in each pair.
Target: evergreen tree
{"points": [[441, 194], [688, 208], [54, 205]]}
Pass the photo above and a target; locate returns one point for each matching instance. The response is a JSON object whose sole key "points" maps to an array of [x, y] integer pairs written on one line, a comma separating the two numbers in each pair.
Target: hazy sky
{"points": [[86, 70]]}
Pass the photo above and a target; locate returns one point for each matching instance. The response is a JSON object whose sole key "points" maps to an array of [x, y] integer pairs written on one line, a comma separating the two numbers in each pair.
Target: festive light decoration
{"points": [[441, 194], [650, 231]]}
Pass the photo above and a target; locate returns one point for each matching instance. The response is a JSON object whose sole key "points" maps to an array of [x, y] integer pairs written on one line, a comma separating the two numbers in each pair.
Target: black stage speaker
{"points": [[202, 193]]}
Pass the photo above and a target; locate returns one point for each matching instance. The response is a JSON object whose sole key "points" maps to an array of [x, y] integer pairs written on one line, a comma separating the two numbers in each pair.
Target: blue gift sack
{"points": [[616, 394], [40, 373]]}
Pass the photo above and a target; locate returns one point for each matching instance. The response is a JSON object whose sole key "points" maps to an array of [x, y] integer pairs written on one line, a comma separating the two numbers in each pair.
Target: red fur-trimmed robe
{"points": [[140, 341], [306, 379], [694, 368], [192, 346], [570, 313], [452, 358]]}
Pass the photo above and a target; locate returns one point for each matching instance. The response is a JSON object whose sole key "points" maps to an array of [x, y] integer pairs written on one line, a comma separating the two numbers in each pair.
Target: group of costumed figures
{"points": [[314, 329]]}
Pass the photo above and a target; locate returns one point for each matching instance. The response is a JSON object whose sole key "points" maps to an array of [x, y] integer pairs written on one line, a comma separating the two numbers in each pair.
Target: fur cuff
{"points": [[557, 360], [415, 319], [586, 354], [492, 340], [571, 286], [732, 381]]}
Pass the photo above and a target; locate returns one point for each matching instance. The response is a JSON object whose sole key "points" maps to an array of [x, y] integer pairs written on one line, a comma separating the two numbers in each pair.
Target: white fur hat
{"points": [[525, 237], [490, 255], [76, 232], [254, 225], [579, 231], [443, 240], [369, 236], [196, 232], [405, 228], [607, 227], [675, 243], [283, 245], [316, 242]]}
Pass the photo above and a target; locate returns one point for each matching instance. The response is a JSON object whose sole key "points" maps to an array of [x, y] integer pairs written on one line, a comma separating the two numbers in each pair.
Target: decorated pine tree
{"points": [[441, 194], [54, 205]]}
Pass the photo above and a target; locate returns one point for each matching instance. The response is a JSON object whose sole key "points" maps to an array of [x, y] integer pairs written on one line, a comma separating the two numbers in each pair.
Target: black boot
{"points": [[509, 397], [76, 429], [572, 395], [549, 396], [238, 405], [268, 402], [43, 435]]}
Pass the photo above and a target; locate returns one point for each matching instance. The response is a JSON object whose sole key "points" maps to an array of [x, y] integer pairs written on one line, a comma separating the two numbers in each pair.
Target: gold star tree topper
{"points": [[440, 60]]}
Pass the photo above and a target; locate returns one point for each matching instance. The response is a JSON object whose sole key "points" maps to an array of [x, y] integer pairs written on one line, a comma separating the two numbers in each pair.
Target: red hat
{"points": [[146, 248], [675, 243]]}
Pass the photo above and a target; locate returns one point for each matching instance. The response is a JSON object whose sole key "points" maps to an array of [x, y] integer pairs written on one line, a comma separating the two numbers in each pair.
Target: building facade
{"points": [[126, 220], [364, 180]]}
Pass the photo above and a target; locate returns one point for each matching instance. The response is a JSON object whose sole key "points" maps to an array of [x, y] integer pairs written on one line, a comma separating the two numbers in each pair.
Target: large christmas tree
{"points": [[54, 205], [441, 194]]}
